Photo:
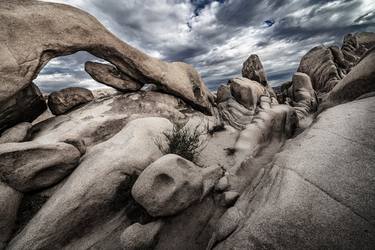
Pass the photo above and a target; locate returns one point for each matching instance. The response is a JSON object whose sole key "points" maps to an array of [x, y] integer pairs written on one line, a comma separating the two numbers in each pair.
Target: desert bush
{"points": [[183, 141]]}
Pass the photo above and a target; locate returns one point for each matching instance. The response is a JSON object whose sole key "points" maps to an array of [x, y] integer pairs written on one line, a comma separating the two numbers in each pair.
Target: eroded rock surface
{"points": [[139, 236], [18, 133], [100, 119], [60, 102], [326, 66], [10, 200], [30, 166], [304, 97], [359, 81]]}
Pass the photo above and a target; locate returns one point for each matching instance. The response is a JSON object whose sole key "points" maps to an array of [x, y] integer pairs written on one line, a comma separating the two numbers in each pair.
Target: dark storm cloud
{"points": [[216, 36]]}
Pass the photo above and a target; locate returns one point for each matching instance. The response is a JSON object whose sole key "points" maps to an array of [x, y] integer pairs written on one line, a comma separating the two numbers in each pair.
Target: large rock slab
{"points": [[319, 191], [109, 75], [253, 69], [94, 205], [30, 166], [23, 106], [60, 102], [18, 133], [42, 31], [10, 200]]}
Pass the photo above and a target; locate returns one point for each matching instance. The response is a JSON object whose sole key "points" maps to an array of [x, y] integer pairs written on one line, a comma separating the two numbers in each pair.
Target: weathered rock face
{"points": [[279, 121], [171, 184], [94, 206], [29, 166], [326, 66], [223, 93], [23, 106], [355, 45], [139, 236], [42, 31], [230, 111], [62, 101], [319, 64], [304, 98], [325, 174], [10, 200], [359, 81], [235, 114], [246, 92], [18, 133], [253, 70], [109, 75]]}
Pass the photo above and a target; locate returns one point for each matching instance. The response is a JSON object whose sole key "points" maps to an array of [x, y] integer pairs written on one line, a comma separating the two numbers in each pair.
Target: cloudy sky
{"points": [[217, 36]]}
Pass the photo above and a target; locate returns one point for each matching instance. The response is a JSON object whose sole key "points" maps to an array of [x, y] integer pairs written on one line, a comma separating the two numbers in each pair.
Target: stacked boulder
{"points": [[238, 100], [62, 101]]}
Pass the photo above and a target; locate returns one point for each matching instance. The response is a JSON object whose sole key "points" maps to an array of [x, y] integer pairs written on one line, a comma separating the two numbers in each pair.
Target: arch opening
{"points": [[68, 71]]}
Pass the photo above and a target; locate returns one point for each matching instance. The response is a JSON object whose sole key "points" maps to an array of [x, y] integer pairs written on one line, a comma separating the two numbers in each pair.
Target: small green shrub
{"points": [[183, 141]]}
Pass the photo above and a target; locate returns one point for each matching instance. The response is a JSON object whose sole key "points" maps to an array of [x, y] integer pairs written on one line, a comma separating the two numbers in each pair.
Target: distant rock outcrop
{"points": [[10, 200], [359, 81], [326, 66], [253, 70], [59, 102]]}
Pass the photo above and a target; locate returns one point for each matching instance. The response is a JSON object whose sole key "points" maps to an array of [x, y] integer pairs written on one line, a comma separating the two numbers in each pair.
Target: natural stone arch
{"points": [[34, 32]]}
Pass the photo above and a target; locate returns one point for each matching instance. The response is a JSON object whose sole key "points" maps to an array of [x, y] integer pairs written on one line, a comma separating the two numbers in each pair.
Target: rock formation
{"points": [[304, 98], [253, 70], [18, 133], [359, 81], [109, 75], [55, 32], [23, 106], [59, 102], [326, 66], [294, 175], [30, 166], [10, 200]]}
